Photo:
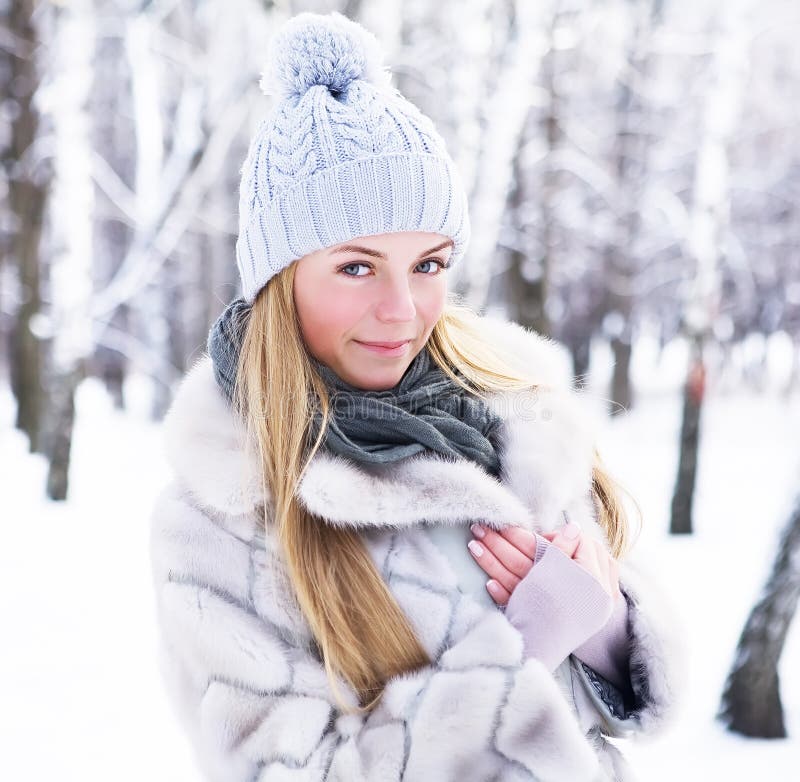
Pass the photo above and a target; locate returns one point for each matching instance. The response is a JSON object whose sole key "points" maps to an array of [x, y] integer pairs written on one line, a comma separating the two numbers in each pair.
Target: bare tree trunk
{"points": [[109, 107], [794, 375], [631, 163], [526, 276], [111, 365], [70, 210], [751, 700], [621, 390], [62, 410], [710, 216], [27, 194], [693, 394], [580, 353]]}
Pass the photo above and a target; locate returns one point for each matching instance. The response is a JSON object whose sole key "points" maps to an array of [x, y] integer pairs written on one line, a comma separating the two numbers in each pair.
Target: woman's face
{"points": [[384, 288]]}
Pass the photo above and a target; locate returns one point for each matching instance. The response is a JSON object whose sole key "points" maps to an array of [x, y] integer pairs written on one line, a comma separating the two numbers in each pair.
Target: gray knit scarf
{"points": [[425, 410]]}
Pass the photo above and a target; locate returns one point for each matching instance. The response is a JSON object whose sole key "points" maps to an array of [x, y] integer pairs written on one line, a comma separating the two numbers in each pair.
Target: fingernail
{"points": [[475, 547], [492, 586], [477, 530], [571, 530]]}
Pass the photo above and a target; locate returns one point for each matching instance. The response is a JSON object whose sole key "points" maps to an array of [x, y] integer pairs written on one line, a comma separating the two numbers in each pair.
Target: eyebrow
{"points": [[354, 248]]}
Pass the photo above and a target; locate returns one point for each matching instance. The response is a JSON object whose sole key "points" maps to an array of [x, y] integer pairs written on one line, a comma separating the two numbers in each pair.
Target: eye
{"points": [[352, 266], [440, 264]]}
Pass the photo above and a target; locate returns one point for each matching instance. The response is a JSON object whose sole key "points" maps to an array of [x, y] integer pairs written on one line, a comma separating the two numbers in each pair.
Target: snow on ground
{"points": [[82, 699], [748, 474], [81, 696]]}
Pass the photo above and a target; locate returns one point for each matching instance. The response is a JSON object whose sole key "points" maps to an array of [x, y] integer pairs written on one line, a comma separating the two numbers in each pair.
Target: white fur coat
{"points": [[236, 652]]}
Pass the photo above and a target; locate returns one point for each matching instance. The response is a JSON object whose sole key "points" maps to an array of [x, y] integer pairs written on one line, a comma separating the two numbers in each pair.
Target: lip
{"points": [[386, 348]]}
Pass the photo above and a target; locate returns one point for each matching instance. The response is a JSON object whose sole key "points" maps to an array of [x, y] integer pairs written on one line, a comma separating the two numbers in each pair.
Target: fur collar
{"points": [[547, 440]]}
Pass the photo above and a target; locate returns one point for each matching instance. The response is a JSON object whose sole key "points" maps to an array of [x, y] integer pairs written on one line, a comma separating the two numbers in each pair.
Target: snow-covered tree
{"points": [[709, 228], [70, 207]]}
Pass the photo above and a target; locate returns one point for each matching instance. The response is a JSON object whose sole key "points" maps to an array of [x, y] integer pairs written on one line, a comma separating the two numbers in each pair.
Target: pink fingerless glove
{"points": [[561, 609]]}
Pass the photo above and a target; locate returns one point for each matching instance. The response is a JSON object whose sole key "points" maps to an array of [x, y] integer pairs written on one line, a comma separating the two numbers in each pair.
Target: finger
{"points": [[567, 538], [609, 567], [492, 565], [549, 536], [498, 592], [612, 569], [604, 566], [523, 539], [518, 562], [586, 557]]}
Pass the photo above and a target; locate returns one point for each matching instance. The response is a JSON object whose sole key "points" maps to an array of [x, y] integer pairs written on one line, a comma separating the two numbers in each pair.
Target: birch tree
{"points": [[535, 228], [632, 141], [70, 212], [709, 228], [194, 98], [507, 88]]}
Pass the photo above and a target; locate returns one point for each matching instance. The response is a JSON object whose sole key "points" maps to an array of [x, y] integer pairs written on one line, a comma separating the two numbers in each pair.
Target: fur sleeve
{"points": [[657, 654], [255, 700]]}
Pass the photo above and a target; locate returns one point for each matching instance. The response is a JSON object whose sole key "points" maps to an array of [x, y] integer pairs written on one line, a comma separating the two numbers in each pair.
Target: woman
{"points": [[354, 432]]}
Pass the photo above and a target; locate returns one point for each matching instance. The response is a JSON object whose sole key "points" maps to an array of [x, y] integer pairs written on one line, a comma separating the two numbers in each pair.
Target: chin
{"points": [[377, 380], [379, 383]]}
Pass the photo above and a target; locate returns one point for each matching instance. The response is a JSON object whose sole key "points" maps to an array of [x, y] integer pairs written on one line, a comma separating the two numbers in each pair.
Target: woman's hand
{"points": [[507, 556]]}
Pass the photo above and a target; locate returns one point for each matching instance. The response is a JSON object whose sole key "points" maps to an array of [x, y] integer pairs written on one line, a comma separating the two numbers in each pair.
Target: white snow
{"points": [[748, 473], [82, 699], [81, 694]]}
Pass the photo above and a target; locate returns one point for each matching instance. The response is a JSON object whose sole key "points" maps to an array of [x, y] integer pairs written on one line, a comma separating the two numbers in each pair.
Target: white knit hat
{"points": [[342, 154]]}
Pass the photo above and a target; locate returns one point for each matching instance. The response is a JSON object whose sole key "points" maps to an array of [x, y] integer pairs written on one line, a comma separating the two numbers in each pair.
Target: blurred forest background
{"points": [[633, 169]]}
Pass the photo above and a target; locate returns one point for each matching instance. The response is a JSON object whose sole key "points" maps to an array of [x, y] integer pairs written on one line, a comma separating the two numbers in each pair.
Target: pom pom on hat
{"points": [[315, 49]]}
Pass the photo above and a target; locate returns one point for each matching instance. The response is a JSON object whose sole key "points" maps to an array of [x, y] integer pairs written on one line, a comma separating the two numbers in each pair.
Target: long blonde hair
{"points": [[362, 633]]}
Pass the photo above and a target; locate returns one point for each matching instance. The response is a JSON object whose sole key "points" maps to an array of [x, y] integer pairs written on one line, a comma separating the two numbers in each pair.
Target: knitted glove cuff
{"points": [[557, 606]]}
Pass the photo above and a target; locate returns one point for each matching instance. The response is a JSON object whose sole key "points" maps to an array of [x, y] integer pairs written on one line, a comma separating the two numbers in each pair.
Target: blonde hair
{"points": [[362, 633]]}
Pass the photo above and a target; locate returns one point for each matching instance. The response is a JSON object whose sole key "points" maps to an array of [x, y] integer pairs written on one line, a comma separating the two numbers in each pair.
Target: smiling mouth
{"points": [[387, 345], [386, 349]]}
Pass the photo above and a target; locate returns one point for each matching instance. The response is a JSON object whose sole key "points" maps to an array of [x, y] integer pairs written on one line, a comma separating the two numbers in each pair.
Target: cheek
{"points": [[430, 303], [326, 314]]}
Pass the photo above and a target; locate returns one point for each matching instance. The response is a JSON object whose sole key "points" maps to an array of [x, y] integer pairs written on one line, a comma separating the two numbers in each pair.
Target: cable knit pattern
{"points": [[342, 154]]}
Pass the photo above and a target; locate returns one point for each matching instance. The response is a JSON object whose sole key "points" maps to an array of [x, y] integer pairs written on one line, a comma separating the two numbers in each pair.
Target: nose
{"points": [[396, 303]]}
